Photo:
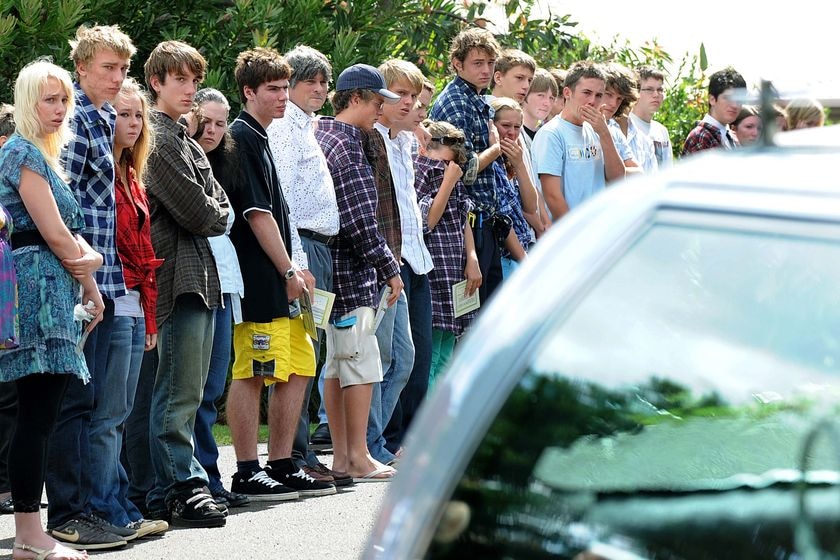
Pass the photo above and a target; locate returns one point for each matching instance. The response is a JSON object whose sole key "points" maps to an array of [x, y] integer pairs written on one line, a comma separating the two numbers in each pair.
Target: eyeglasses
{"points": [[446, 140], [650, 90]]}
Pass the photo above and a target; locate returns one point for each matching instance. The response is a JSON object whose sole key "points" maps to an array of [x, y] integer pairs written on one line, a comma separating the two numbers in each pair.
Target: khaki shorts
{"points": [[353, 353], [273, 351]]}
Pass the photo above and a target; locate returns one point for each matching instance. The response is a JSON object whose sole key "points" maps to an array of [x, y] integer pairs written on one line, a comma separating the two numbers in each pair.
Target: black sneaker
{"points": [[259, 487], [321, 439], [126, 533], [230, 499], [305, 485], [81, 533], [196, 509], [7, 506]]}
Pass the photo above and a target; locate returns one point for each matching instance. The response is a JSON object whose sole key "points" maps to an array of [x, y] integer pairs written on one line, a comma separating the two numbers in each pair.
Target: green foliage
{"points": [[348, 31], [35, 28]]}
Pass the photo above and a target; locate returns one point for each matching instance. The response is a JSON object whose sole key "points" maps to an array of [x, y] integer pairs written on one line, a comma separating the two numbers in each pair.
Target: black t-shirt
{"points": [[529, 132], [257, 189]]}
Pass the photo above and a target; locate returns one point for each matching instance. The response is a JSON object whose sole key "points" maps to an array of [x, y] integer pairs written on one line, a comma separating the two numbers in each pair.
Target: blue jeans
{"points": [[114, 399], [206, 450], [396, 350], [185, 342], [68, 455], [508, 267], [136, 455], [320, 265], [419, 295]]}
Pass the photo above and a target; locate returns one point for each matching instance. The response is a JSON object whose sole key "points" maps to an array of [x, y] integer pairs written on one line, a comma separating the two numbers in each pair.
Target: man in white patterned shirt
{"points": [[310, 194], [414, 311]]}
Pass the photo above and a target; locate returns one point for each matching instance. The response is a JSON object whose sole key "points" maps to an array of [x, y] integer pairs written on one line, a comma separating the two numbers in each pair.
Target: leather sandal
{"points": [[40, 553]]}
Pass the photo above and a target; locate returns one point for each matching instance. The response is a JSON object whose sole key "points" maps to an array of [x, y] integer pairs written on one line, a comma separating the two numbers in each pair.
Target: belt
{"points": [[327, 240], [26, 238]]}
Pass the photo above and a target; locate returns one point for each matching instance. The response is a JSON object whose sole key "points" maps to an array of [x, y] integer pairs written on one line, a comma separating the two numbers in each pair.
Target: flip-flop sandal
{"points": [[374, 475]]}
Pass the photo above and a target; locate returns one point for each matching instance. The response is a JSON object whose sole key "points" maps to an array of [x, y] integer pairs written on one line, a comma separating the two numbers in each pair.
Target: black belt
{"points": [[26, 238], [327, 240]]}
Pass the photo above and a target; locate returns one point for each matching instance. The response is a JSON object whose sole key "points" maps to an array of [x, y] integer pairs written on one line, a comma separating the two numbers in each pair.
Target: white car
{"points": [[660, 380]]}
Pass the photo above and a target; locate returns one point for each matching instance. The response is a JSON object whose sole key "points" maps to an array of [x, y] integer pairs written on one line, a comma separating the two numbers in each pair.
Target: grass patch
{"points": [[221, 432]]}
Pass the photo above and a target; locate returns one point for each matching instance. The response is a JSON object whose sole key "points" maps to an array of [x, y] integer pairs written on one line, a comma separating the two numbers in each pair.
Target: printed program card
{"points": [[322, 304], [462, 302]]}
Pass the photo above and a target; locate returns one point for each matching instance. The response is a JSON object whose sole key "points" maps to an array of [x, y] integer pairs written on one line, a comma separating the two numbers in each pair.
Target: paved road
{"points": [[330, 527]]}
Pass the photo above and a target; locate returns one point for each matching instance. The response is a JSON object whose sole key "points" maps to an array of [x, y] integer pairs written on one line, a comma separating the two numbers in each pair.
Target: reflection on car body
{"points": [[660, 380]]}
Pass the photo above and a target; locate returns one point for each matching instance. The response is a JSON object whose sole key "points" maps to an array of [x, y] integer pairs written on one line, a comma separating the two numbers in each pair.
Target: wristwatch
{"points": [[289, 273]]}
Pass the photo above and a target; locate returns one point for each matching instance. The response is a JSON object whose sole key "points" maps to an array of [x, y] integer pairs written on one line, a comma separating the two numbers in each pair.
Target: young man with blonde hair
{"points": [[406, 331], [80, 513], [187, 206], [271, 344]]}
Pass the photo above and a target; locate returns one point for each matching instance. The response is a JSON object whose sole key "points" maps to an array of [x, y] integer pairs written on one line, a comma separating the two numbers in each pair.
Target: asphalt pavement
{"points": [[329, 527]]}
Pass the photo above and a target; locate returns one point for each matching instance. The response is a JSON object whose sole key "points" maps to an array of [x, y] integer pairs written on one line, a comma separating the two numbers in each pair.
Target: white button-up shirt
{"points": [[304, 176], [414, 250]]}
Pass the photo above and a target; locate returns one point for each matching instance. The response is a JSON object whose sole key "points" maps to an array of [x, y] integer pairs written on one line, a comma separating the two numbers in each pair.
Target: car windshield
{"points": [[671, 408], [703, 337]]}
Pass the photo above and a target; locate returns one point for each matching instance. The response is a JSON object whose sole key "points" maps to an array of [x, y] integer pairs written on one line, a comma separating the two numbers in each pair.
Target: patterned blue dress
{"points": [[47, 293]]}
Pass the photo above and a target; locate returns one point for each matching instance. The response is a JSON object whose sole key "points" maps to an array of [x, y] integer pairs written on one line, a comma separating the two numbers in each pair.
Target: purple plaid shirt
{"points": [[359, 251], [445, 242]]}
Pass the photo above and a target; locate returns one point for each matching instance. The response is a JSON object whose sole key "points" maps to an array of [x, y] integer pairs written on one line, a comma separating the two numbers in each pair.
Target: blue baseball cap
{"points": [[365, 76]]}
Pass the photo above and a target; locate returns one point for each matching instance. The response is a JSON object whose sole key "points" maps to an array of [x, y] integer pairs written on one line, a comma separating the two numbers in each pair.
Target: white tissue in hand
{"points": [[82, 313]]}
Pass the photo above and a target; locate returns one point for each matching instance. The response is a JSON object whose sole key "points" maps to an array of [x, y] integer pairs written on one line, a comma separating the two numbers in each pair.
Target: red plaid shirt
{"points": [[134, 246]]}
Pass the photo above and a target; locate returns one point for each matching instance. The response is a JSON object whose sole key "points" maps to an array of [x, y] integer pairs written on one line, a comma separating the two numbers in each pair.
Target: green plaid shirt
{"points": [[187, 206]]}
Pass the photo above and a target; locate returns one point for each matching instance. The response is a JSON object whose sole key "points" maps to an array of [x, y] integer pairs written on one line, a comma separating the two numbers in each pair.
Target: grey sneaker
{"points": [[81, 533], [124, 532], [148, 527]]}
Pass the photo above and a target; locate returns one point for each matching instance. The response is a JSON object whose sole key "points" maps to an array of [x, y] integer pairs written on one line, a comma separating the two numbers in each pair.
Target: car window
{"points": [[670, 411]]}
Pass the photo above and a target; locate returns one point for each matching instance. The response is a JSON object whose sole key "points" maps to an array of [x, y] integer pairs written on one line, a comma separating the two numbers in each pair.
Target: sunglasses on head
{"points": [[446, 140]]}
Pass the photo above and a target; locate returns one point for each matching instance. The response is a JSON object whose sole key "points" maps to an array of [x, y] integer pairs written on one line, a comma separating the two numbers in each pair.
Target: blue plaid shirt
{"points": [[89, 163], [462, 106]]}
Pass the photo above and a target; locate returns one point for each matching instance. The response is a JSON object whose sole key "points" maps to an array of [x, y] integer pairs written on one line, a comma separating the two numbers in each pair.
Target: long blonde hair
{"points": [[29, 87], [139, 153]]}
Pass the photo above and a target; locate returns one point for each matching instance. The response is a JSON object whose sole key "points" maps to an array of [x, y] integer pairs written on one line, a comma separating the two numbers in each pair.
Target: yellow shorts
{"points": [[273, 351]]}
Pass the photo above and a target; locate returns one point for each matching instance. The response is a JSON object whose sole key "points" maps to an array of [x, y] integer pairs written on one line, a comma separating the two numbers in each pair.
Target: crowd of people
{"points": [[147, 239]]}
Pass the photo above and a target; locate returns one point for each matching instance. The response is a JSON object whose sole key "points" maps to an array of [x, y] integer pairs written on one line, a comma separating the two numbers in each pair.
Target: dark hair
{"points": [[746, 111], [622, 80], [584, 69], [257, 66], [473, 38], [340, 100], [725, 79], [646, 72], [172, 57]]}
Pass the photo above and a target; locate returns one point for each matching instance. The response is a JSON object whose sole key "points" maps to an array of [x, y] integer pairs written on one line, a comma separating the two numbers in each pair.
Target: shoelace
{"points": [[201, 501], [264, 479], [98, 521], [302, 475]]}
